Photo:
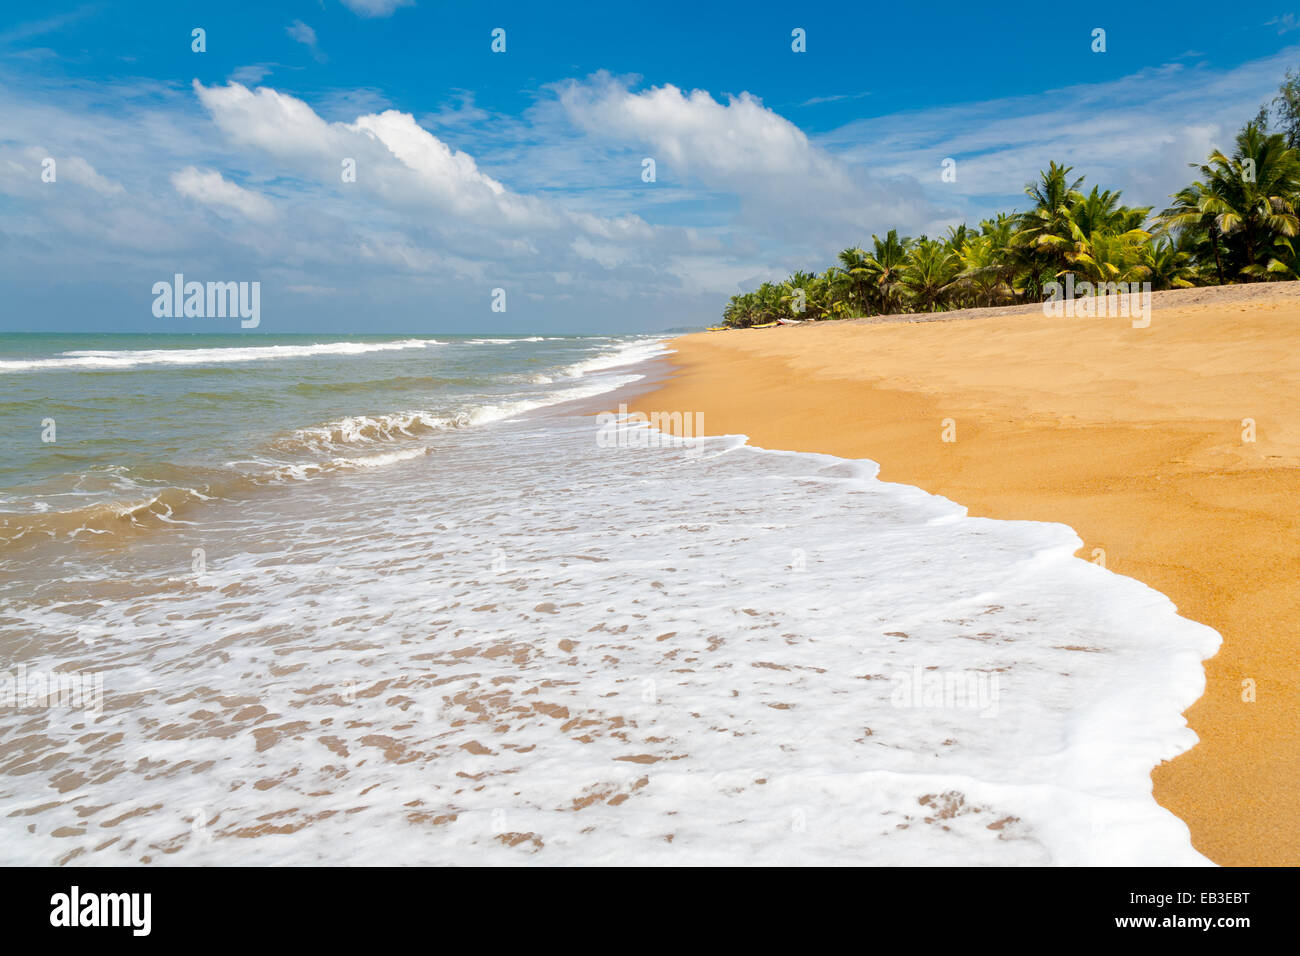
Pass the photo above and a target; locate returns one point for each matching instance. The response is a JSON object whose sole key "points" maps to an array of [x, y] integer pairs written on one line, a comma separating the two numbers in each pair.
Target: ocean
{"points": [[385, 599]]}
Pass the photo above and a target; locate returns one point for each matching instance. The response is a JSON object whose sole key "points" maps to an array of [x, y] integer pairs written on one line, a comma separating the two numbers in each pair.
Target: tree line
{"points": [[1235, 222]]}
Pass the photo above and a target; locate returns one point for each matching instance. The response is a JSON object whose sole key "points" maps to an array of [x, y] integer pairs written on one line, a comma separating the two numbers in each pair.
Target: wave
{"points": [[629, 353], [1056, 685], [132, 358], [414, 423], [102, 518], [163, 496], [357, 429], [531, 338], [111, 520], [316, 469]]}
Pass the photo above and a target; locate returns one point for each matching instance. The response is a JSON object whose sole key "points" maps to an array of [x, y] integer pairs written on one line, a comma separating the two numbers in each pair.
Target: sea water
{"points": [[397, 600]]}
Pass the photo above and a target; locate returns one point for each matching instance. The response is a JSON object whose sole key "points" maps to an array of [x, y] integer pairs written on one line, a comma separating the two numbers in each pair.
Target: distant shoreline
{"points": [[1198, 297]]}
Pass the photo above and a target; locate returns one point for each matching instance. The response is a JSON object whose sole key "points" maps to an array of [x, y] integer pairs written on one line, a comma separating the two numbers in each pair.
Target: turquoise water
{"points": [[187, 417]]}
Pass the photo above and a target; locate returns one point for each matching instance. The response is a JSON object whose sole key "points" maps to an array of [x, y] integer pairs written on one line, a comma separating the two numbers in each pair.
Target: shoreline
{"points": [[1135, 438]]}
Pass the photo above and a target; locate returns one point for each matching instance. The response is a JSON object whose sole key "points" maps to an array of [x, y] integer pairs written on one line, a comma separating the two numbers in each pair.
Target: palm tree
{"points": [[1191, 218], [853, 278], [1017, 268], [1108, 238], [1246, 202], [929, 272], [1107, 257], [1237, 222], [1167, 266], [768, 303], [884, 268], [1284, 263], [1045, 230], [813, 297], [1102, 212], [984, 271]]}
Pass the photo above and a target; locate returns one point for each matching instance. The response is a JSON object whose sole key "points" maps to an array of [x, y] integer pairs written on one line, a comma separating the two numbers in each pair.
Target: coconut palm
{"points": [[1110, 258], [1284, 264], [1237, 222], [1191, 218], [884, 268], [1167, 265], [984, 271], [806, 289], [928, 274], [1046, 229], [853, 280], [1247, 201], [1101, 211]]}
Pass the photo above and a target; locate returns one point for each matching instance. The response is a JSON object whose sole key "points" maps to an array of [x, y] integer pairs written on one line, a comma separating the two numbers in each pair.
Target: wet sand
{"points": [[1138, 438]]}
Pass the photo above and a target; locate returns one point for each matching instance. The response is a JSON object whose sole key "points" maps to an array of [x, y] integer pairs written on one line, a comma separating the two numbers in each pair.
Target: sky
{"points": [[526, 169]]}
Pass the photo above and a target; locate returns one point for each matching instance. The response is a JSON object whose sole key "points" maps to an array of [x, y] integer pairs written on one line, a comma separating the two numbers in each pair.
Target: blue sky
{"points": [[522, 170]]}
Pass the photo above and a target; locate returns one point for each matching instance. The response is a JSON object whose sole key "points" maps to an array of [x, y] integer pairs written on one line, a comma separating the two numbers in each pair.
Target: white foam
{"points": [[625, 353], [530, 647], [382, 459], [366, 429], [131, 358], [355, 429], [531, 338]]}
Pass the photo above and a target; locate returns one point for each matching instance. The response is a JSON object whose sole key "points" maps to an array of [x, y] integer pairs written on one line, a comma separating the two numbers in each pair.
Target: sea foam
{"points": [[525, 647], [131, 358]]}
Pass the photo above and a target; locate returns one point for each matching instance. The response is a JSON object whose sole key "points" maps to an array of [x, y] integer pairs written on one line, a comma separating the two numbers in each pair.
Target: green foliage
{"points": [[1236, 222], [1285, 108]]}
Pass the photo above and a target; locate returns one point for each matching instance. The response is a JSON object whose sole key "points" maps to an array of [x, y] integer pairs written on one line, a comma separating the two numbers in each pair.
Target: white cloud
{"points": [[376, 8], [548, 203], [251, 74], [741, 138], [282, 125], [212, 189], [607, 255], [787, 185], [79, 171], [22, 172], [1137, 133], [450, 178], [304, 34], [398, 162], [1285, 23]]}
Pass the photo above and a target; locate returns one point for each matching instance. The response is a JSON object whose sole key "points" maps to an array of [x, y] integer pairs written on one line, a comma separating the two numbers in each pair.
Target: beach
{"points": [[1172, 451]]}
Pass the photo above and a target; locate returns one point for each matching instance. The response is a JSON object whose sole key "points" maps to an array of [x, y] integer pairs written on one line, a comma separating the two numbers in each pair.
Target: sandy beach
{"points": [[1172, 451]]}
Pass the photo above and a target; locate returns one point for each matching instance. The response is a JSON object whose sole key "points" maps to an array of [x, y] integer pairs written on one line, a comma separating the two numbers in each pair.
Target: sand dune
{"points": [[1174, 449]]}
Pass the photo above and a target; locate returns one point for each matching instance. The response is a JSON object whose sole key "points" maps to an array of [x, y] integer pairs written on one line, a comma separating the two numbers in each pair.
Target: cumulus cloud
{"points": [[396, 161], [741, 138], [212, 189], [548, 203], [784, 180]]}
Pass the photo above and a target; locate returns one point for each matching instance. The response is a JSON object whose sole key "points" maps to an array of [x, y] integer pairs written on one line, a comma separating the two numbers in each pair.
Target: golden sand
{"points": [[1136, 438]]}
